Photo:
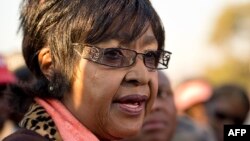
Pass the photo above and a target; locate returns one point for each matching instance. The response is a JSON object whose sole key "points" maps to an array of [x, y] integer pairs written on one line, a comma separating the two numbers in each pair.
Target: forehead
{"points": [[146, 38], [126, 36]]}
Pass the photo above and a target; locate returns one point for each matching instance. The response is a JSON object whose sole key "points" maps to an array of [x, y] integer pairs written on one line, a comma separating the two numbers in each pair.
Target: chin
{"points": [[124, 126], [125, 132], [131, 132], [158, 138]]}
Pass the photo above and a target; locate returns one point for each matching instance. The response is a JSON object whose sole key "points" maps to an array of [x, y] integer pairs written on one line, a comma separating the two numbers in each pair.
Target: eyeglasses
{"points": [[122, 57]]}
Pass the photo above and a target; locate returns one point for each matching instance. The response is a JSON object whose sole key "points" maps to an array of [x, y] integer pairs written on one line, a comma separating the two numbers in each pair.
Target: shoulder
{"points": [[25, 135]]}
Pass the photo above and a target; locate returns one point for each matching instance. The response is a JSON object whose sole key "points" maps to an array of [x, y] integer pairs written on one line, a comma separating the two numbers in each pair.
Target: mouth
{"points": [[154, 125], [132, 105]]}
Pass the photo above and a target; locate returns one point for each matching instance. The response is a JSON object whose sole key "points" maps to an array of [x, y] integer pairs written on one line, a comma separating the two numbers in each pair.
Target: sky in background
{"points": [[188, 25]]}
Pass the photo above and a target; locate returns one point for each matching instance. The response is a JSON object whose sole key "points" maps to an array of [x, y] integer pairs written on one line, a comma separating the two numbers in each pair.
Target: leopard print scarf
{"points": [[38, 120]]}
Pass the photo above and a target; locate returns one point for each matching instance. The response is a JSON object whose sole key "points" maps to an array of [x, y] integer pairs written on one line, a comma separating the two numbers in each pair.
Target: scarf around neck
{"points": [[68, 126]]}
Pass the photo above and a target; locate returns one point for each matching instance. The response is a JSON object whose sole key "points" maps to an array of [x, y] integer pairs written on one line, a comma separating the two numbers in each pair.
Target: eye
{"points": [[162, 94], [151, 58], [151, 54], [113, 53], [112, 57], [164, 91]]}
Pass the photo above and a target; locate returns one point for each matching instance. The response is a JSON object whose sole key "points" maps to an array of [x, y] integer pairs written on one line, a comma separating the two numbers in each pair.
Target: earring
{"points": [[51, 88]]}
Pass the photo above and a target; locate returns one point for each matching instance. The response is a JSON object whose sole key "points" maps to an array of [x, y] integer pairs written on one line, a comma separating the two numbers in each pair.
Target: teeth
{"points": [[133, 105], [136, 103]]}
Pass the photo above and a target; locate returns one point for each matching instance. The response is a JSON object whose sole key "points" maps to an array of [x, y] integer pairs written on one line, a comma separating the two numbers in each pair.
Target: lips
{"points": [[154, 125], [132, 105]]}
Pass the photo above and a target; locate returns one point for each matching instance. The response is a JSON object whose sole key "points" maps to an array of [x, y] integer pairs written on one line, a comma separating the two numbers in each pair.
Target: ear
{"points": [[45, 62]]}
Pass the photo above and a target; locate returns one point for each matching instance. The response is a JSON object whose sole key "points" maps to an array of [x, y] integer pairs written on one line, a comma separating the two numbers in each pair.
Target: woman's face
{"points": [[112, 102]]}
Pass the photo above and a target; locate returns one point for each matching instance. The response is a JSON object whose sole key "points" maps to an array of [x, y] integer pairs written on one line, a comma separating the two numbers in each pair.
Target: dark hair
{"points": [[230, 91], [59, 23]]}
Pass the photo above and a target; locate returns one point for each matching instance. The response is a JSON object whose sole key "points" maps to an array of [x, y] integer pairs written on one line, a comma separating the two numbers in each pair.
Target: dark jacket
{"points": [[25, 135]]}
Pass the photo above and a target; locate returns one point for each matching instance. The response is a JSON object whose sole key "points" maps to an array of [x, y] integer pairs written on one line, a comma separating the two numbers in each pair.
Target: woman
{"points": [[96, 64]]}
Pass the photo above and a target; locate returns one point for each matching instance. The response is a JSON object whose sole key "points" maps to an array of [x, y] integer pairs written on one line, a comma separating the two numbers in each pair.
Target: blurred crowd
{"points": [[193, 110], [12, 78]]}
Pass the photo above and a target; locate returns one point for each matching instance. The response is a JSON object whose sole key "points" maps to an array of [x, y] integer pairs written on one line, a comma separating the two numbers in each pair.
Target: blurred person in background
{"points": [[15, 92], [17, 65], [23, 74], [160, 124], [192, 122], [229, 104], [6, 78]]}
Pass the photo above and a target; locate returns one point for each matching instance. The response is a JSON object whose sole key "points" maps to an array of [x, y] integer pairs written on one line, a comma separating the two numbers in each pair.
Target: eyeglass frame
{"points": [[94, 55]]}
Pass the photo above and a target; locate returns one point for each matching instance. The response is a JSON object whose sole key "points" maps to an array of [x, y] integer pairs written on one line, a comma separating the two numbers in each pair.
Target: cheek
{"points": [[100, 88], [170, 105], [101, 83]]}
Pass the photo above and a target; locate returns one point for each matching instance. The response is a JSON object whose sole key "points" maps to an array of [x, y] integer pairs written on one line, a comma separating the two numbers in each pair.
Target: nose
{"points": [[138, 73]]}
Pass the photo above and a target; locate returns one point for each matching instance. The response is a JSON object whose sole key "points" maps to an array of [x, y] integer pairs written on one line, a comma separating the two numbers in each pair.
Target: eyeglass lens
{"points": [[117, 57]]}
